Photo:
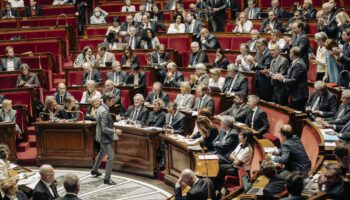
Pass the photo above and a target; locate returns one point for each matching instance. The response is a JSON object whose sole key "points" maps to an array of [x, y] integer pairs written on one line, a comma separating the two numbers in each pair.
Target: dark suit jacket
{"points": [[291, 21], [310, 14], [304, 44], [159, 15], [16, 62], [198, 191], [241, 113], [46, 117], [241, 84], [328, 105], [277, 24], [254, 47], [28, 11], [276, 185], [62, 114], [262, 82], [281, 67], [261, 122], [211, 42], [345, 58], [124, 26], [222, 63], [220, 5], [88, 115], [339, 120], [175, 82], [13, 13], [137, 41], [208, 141], [142, 80], [69, 197], [280, 13], [122, 77], [156, 119], [154, 26], [153, 59], [2, 98], [337, 191], [95, 76], [164, 96], [330, 29], [178, 122], [207, 102], [57, 97], [41, 192], [142, 115], [31, 79], [344, 128], [19, 194], [135, 60], [224, 144], [256, 12], [197, 27], [201, 58], [170, 4], [117, 94]]}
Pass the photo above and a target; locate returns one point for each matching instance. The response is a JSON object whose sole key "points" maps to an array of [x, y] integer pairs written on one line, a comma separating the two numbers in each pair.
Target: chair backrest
{"points": [[311, 139], [258, 155]]}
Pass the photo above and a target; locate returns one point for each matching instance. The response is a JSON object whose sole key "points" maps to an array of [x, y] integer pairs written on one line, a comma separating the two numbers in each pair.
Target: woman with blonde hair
{"points": [[276, 39], [157, 116], [50, 109], [216, 80], [343, 22], [9, 187], [320, 58], [70, 111], [243, 25], [207, 132], [4, 162], [92, 110], [90, 92], [7, 114], [185, 99]]}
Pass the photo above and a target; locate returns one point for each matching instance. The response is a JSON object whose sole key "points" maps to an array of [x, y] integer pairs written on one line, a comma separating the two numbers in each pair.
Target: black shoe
{"points": [[109, 182], [96, 173]]}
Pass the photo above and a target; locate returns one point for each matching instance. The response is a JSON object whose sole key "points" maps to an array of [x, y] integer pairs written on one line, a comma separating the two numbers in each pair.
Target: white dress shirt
{"points": [[219, 84], [281, 43], [173, 30], [10, 65], [246, 28]]}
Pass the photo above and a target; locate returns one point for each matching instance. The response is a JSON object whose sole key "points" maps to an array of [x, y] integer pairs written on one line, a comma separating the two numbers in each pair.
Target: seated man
{"points": [[103, 57], [173, 77], [117, 76], [61, 93], [90, 92], [333, 182], [239, 108], [193, 25], [235, 81], [159, 59], [256, 118], [27, 79], [197, 56], [155, 94], [208, 40], [137, 78], [147, 23], [295, 185], [109, 87], [203, 100], [9, 12], [341, 154], [276, 182], [70, 111], [275, 7], [46, 187], [125, 26], [199, 187], [91, 74], [137, 112], [32, 10], [252, 10], [322, 103], [175, 119], [270, 24], [254, 35], [71, 184], [138, 15], [292, 153], [10, 62], [132, 40], [201, 76]]}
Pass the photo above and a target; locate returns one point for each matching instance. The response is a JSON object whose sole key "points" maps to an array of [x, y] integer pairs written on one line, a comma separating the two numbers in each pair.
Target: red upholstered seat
{"points": [[112, 7], [33, 62], [96, 31], [179, 43], [20, 98], [217, 104], [250, 84], [90, 42], [312, 29], [187, 75], [185, 58], [8, 81], [237, 41], [172, 95], [57, 10], [142, 59], [311, 140], [8, 24], [311, 74], [225, 42], [75, 78], [125, 100]]}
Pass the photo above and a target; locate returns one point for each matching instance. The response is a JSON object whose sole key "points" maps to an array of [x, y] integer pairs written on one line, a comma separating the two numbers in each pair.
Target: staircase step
{"points": [[32, 140], [31, 130], [27, 158], [161, 174], [23, 146]]}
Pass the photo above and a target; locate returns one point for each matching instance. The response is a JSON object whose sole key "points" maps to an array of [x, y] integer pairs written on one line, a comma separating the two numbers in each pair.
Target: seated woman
{"points": [[243, 25], [92, 110], [178, 26], [27, 79], [70, 111], [148, 39], [99, 16], [129, 59], [9, 115], [157, 116], [242, 59], [50, 110], [112, 40], [90, 92], [201, 112], [115, 25], [184, 100], [276, 39], [128, 7], [180, 10], [207, 132], [216, 80], [156, 14], [84, 57], [220, 60], [241, 157], [10, 189]]}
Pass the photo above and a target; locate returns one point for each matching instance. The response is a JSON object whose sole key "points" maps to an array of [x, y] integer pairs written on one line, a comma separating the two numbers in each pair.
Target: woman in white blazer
{"points": [[185, 100], [178, 26]]}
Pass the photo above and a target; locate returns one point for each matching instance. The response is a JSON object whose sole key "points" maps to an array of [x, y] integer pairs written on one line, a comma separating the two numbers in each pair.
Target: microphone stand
{"points": [[77, 111], [206, 168], [48, 114], [170, 127], [340, 75]]}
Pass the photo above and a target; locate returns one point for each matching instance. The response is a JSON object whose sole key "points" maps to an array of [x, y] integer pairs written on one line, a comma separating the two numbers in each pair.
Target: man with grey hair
{"points": [[235, 81], [71, 184], [275, 7], [61, 93], [173, 77], [197, 56], [203, 100], [117, 76], [110, 88], [327, 23], [256, 117], [46, 187], [208, 40], [201, 76], [137, 112], [199, 187], [91, 74], [271, 23], [132, 39]]}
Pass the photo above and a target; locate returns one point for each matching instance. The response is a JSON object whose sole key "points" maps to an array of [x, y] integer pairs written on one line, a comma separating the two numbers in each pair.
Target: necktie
{"points": [[228, 3], [252, 122], [273, 66], [61, 99], [341, 113], [232, 84], [194, 60], [235, 111], [171, 120], [130, 43], [200, 103], [116, 78], [316, 104], [127, 9], [345, 127], [134, 117], [251, 14]]}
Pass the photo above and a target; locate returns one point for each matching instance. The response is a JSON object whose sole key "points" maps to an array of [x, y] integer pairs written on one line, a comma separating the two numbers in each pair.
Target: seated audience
{"points": [[70, 110], [341, 154], [275, 7], [271, 23], [243, 25], [149, 4], [90, 92], [197, 55], [254, 35], [159, 59], [9, 12], [256, 118], [327, 23], [203, 100], [146, 23], [216, 80], [292, 153], [199, 186], [200, 77], [157, 93], [27, 79], [129, 58], [16, 3], [207, 132], [239, 108], [61, 93], [50, 110], [116, 27], [148, 39], [10, 62], [117, 76], [294, 186], [99, 16], [4, 161], [103, 57], [112, 40], [185, 99], [178, 26], [308, 11], [137, 112], [10, 189], [136, 78], [110, 88], [125, 26], [235, 81], [71, 184], [156, 14], [332, 182], [32, 9], [208, 40], [138, 15], [287, 28], [171, 5], [128, 7], [252, 10], [156, 117], [173, 77], [193, 25], [46, 187], [180, 10], [276, 39], [132, 40], [7, 114], [276, 183], [91, 112], [84, 57], [220, 60], [175, 119], [241, 60], [91, 74]]}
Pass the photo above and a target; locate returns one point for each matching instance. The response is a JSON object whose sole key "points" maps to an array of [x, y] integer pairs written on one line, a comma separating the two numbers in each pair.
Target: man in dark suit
{"points": [[157, 93], [235, 81], [193, 25], [159, 59], [217, 10], [199, 187], [344, 56], [146, 23], [149, 5], [137, 78], [2, 98], [197, 56], [173, 77], [295, 80], [292, 153], [171, 5], [309, 12], [256, 118], [328, 23], [72, 186], [125, 26], [254, 35], [252, 10], [279, 65], [137, 112], [201, 76], [271, 23], [226, 141], [295, 185], [9, 12], [61, 93], [175, 119], [46, 187], [276, 182], [110, 88], [10, 62], [322, 103], [239, 108], [234, 8], [32, 10], [275, 7], [333, 182], [287, 28], [91, 74], [132, 40], [117, 76], [208, 40], [203, 100]]}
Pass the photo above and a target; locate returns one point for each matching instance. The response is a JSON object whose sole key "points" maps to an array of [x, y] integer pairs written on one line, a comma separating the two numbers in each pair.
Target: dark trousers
{"points": [[319, 76], [224, 169], [218, 24], [280, 97], [298, 105]]}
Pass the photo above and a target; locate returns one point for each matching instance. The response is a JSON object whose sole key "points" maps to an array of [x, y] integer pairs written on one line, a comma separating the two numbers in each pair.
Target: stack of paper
{"points": [[208, 157]]}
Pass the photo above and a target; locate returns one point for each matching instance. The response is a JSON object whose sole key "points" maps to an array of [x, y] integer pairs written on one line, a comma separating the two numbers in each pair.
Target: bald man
{"points": [[109, 87], [209, 40], [45, 189], [61, 93]]}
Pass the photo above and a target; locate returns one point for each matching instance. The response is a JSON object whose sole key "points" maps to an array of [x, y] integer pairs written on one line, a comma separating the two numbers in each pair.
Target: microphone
{"points": [[170, 127], [58, 17], [77, 111], [48, 114]]}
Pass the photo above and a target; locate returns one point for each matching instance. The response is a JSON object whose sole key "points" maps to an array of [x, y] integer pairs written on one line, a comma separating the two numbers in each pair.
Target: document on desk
{"points": [[194, 148], [327, 136], [330, 144], [316, 124], [271, 149], [208, 157]]}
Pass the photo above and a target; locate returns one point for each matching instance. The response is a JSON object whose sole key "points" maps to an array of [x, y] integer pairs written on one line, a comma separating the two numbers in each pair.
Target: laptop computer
{"points": [[214, 89]]}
